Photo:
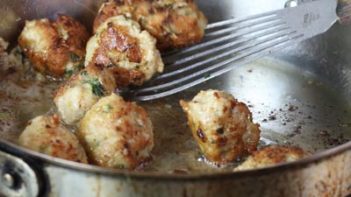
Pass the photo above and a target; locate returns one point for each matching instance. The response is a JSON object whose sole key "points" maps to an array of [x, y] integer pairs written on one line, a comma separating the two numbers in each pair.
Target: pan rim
{"points": [[23, 153]]}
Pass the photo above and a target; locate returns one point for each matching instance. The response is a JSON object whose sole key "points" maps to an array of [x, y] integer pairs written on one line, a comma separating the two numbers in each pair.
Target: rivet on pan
{"points": [[291, 3], [8, 180]]}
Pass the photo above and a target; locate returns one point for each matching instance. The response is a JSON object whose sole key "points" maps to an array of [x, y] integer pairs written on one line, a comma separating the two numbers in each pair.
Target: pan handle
{"points": [[17, 178]]}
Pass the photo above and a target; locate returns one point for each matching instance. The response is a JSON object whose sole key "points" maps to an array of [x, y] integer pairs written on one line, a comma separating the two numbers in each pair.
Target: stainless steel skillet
{"points": [[300, 96]]}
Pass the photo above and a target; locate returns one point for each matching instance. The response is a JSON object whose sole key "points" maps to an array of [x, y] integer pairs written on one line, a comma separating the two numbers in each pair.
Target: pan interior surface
{"points": [[293, 107], [299, 96]]}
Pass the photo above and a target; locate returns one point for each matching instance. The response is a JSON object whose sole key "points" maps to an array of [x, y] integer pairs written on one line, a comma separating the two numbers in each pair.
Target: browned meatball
{"points": [[54, 47], [222, 126], [47, 135], [130, 53], [116, 133], [174, 23], [81, 91], [271, 155]]}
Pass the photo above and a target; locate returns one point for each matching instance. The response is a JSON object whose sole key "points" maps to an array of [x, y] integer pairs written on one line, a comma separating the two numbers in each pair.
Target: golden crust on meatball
{"points": [[45, 134], [116, 133], [271, 155], [54, 47], [82, 91], [174, 23], [221, 125], [130, 53], [110, 9]]}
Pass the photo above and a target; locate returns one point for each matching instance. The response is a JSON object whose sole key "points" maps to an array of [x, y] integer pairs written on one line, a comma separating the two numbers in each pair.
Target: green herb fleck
{"points": [[80, 65], [98, 89], [84, 73], [68, 72], [107, 108], [74, 57], [96, 86]]}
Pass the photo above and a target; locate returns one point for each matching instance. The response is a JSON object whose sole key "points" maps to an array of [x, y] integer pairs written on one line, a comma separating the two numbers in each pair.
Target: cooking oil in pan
{"points": [[292, 106]]}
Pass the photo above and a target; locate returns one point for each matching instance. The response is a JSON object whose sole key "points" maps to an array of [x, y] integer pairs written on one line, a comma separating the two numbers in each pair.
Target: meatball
{"points": [[46, 135], [82, 91], [54, 47], [116, 133], [271, 155], [119, 43], [174, 23], [221, 125]]}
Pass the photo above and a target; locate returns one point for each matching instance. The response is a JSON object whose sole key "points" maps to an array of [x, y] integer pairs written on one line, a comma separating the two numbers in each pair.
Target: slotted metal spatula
{"points": [[234, 42]]}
